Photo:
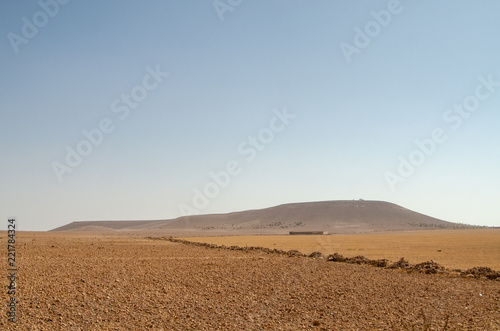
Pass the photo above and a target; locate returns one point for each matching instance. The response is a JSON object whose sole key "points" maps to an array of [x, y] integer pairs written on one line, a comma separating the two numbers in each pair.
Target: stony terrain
{"points": [[78, 282], [454, 249]]}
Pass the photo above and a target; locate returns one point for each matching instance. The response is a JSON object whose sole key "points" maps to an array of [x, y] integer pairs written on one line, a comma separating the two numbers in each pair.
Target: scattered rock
{"points": [[316, 255]]}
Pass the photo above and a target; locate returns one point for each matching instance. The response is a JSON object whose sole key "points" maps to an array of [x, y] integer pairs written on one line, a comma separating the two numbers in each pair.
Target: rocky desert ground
{"points": [[69, 281], [463, 249]]}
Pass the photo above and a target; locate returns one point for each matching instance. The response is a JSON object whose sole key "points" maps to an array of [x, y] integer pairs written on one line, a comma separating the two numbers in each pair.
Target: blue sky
{"points": [[216, 79]]}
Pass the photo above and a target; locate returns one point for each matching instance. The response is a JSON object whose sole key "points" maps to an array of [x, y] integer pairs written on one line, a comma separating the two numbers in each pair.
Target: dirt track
{"points": [[99, 283]]}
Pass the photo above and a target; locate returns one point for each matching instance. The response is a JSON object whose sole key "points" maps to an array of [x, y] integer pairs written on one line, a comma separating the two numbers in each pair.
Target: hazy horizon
{"points": [[132, 110]]}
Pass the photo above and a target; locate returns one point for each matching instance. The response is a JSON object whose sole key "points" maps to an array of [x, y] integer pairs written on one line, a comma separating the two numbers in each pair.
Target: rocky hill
{"points": [[349, 216]]}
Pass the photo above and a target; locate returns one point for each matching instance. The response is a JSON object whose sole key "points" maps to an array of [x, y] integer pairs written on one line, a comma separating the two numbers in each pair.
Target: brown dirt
{"points": [[118, 283], [455, 249]]}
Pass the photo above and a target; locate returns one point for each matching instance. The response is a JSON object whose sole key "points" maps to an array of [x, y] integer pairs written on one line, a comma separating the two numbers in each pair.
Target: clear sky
{"points": [[153, 109]]}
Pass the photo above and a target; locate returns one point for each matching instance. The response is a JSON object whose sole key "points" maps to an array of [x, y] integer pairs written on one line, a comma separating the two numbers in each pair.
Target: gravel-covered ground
{"points": [[126, 283]]}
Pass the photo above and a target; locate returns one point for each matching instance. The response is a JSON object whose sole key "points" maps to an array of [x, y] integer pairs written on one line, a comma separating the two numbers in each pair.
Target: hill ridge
{"points": [[336, 216]]}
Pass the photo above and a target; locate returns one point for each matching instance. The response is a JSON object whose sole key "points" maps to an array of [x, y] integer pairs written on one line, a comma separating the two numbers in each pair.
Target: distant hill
{"points": [[350, 216]]}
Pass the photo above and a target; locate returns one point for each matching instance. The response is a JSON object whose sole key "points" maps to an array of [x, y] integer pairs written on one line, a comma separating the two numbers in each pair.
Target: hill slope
{"points": [[353, 216]]}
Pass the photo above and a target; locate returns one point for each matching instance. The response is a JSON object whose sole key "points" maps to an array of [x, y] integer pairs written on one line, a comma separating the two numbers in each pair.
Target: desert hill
{"points": [[349, 216]]}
